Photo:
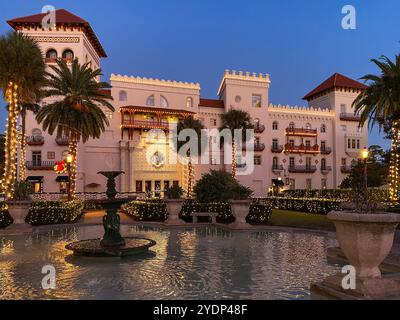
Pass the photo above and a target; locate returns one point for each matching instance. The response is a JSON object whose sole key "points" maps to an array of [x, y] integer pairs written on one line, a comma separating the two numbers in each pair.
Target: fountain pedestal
{"points": [[112, 244]]}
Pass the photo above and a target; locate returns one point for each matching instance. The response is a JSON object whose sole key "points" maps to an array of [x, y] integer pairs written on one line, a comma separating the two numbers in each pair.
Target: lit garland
{"points": [[73, 150], [394, 174], [22, 159], [11, 142], [190, 179], [234, 162]]}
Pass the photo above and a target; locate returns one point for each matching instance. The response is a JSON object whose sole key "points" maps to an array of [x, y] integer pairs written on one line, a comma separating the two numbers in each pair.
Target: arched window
{"points": [[323, 128], [275, 125], [68, 55], [308, 126], [123, 96], [275, 162], [51, 54], [323, 163], [163, 102], [291, 125], [36, 132], [150, 101], [189, 102]]}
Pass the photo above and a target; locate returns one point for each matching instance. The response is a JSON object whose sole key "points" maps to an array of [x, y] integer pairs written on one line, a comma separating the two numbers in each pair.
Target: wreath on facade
{"points": [[60, 167]]}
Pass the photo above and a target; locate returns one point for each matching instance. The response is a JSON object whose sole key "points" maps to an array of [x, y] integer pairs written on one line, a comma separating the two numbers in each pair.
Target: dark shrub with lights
{"points": [[5, 218]]}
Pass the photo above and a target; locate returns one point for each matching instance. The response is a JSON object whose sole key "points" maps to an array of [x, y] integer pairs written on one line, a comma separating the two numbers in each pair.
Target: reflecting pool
{"points": [[186, 263]]}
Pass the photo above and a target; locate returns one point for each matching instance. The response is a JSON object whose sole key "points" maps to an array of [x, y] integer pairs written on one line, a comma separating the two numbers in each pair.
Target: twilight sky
{"points": [[299, 43]]}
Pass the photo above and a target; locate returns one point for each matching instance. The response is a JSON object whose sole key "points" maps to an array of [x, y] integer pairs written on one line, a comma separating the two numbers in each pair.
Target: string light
{"points": [[11, 141], [394, 176], [73, 150]]}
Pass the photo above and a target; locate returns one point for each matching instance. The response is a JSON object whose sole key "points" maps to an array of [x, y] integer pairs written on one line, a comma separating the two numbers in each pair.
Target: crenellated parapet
{"points": [[152, 81], [300, 110], [262, 79]]}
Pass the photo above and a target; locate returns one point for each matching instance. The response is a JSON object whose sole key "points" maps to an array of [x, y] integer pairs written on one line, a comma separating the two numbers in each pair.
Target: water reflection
{"points": [[203, 263]]}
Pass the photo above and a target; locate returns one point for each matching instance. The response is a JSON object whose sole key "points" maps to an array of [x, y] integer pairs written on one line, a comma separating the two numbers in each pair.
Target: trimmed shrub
{"points": [[313, 205], [150, 210], [5, 218], [54, 212], [155, 210]]}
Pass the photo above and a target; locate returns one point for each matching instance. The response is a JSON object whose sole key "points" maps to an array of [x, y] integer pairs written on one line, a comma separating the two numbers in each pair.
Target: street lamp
{"points": [[365, 155], [69, 160]]}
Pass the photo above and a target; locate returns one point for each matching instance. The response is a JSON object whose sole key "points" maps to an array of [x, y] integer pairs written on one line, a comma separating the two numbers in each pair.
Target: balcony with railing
{"points": [[40, 165], [35, 140], [326, 150], [301, 132], [63, 141], [54, 60], [258, 146], [346, 169], [145, 124], [259, 128], [302, 169], [349, 117], [277, 168], [326, 169], [290, 148], [276, 148]]}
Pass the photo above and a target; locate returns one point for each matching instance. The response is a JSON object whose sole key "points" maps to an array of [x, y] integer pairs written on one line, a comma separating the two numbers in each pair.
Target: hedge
{"points": [[308, 205], [54, 212], [156, 210], [5, 218]]}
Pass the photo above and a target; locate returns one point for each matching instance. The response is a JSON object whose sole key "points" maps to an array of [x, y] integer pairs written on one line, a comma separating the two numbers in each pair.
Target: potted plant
{"points": [[20, 203], [174, 202], [240, 203], [365, 231], [221, 187]]}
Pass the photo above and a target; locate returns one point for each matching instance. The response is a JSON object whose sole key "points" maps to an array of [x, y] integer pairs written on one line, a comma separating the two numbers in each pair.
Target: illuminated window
{"points": [[256, 101], [189, 102]]}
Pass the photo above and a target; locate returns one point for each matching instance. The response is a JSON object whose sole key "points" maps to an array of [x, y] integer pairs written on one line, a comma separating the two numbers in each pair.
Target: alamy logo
{"points": [[49, 280], [49, 20], [349, 20], [349, 280]]}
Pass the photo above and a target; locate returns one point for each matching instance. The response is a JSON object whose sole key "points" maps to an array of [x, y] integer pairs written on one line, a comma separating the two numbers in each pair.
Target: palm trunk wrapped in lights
{"points": [[11, 141], [73, 150], [22, 141], [234, 162], [190, 178], [394, 169]]}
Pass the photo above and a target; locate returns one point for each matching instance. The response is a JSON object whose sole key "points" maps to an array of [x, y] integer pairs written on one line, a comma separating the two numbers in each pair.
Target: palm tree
{"points": [[197, 126], [21, 77], [380, 104], [77, 114], [236, 120]]}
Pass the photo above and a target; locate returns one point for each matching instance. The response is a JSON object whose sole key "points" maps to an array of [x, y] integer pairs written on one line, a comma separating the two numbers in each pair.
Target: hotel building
{"points": [[309, 147]]}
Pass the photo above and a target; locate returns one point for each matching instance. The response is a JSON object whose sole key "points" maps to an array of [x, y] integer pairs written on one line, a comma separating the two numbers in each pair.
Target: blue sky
{"points": [[298, 42]]}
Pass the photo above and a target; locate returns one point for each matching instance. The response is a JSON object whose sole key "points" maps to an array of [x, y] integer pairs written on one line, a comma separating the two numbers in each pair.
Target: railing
{"points": [[326, 150], [302, 169], [259, 147], [87, 196], [301, 148], [276, 149], [146, 124], [349, 117], [346, 169], [35, 140], [64, 141], [259, 128], [301, 132], [326, 169], [54, 60], [277, 168], [40, 165]]}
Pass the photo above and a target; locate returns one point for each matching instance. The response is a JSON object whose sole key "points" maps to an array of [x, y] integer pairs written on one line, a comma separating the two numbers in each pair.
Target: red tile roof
{"points": [[63, 18], [336, 81], [212, 103]]}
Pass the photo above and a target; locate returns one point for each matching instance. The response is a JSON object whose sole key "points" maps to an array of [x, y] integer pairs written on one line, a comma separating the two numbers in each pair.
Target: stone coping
{"points": [[367, 217]]}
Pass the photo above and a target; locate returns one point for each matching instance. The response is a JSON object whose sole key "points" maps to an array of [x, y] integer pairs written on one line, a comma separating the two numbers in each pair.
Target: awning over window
{"points": [[277, 183], [62, 179], [35, 179]]}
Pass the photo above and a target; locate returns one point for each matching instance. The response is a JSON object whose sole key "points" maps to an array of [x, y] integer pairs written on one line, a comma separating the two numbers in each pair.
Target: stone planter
{"points": [[174, 207], [240, 210], [19, 210], [366, 239]]}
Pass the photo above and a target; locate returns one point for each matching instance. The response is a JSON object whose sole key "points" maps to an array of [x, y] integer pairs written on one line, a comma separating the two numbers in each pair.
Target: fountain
{"points": [[112, 244]]}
